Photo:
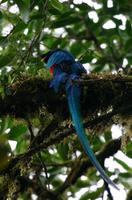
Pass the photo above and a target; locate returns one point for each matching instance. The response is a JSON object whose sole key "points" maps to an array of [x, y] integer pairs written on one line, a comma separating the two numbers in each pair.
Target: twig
{"points": [[30, 130], [108, 190], [45, 169]]}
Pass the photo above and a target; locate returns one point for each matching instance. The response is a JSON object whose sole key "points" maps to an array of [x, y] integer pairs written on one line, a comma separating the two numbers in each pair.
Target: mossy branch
{"points": [[100, 93]]}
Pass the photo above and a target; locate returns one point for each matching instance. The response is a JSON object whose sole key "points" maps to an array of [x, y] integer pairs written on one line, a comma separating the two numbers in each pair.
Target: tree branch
{"points": [[81, 166], [102, 92]]}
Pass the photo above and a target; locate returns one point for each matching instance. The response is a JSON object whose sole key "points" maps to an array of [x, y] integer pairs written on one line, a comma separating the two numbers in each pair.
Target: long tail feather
{"points": [[74, 106]]}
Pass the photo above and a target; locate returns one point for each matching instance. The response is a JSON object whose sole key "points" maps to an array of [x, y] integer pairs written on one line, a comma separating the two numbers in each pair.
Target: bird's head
{"points": [[45, 58], [58, 57]]}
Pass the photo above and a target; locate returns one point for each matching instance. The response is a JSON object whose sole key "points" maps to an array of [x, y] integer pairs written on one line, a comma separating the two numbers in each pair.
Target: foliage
{"points": [[37, 120]]}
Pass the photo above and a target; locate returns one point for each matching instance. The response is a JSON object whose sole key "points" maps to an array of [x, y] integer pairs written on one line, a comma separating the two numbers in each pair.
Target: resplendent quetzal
{"points": [[65, 70]]}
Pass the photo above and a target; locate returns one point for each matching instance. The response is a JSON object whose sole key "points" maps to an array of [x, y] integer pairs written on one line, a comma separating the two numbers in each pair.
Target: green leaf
{"points": [[57, 5], [17, 131], [54, 11], [128, 45], [129, 150], [3, 40], [98, 68], [75, 50], [66, 21], [1, 15], [125, 175], [118, 22], [22, 146], [128, 28], [6, 59], [19, 27], [84, 7], [63, 150], [36, 16], [82, 184], [5, 123], [123, 164], [24, 9], [92, 195], [87, 57]]}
